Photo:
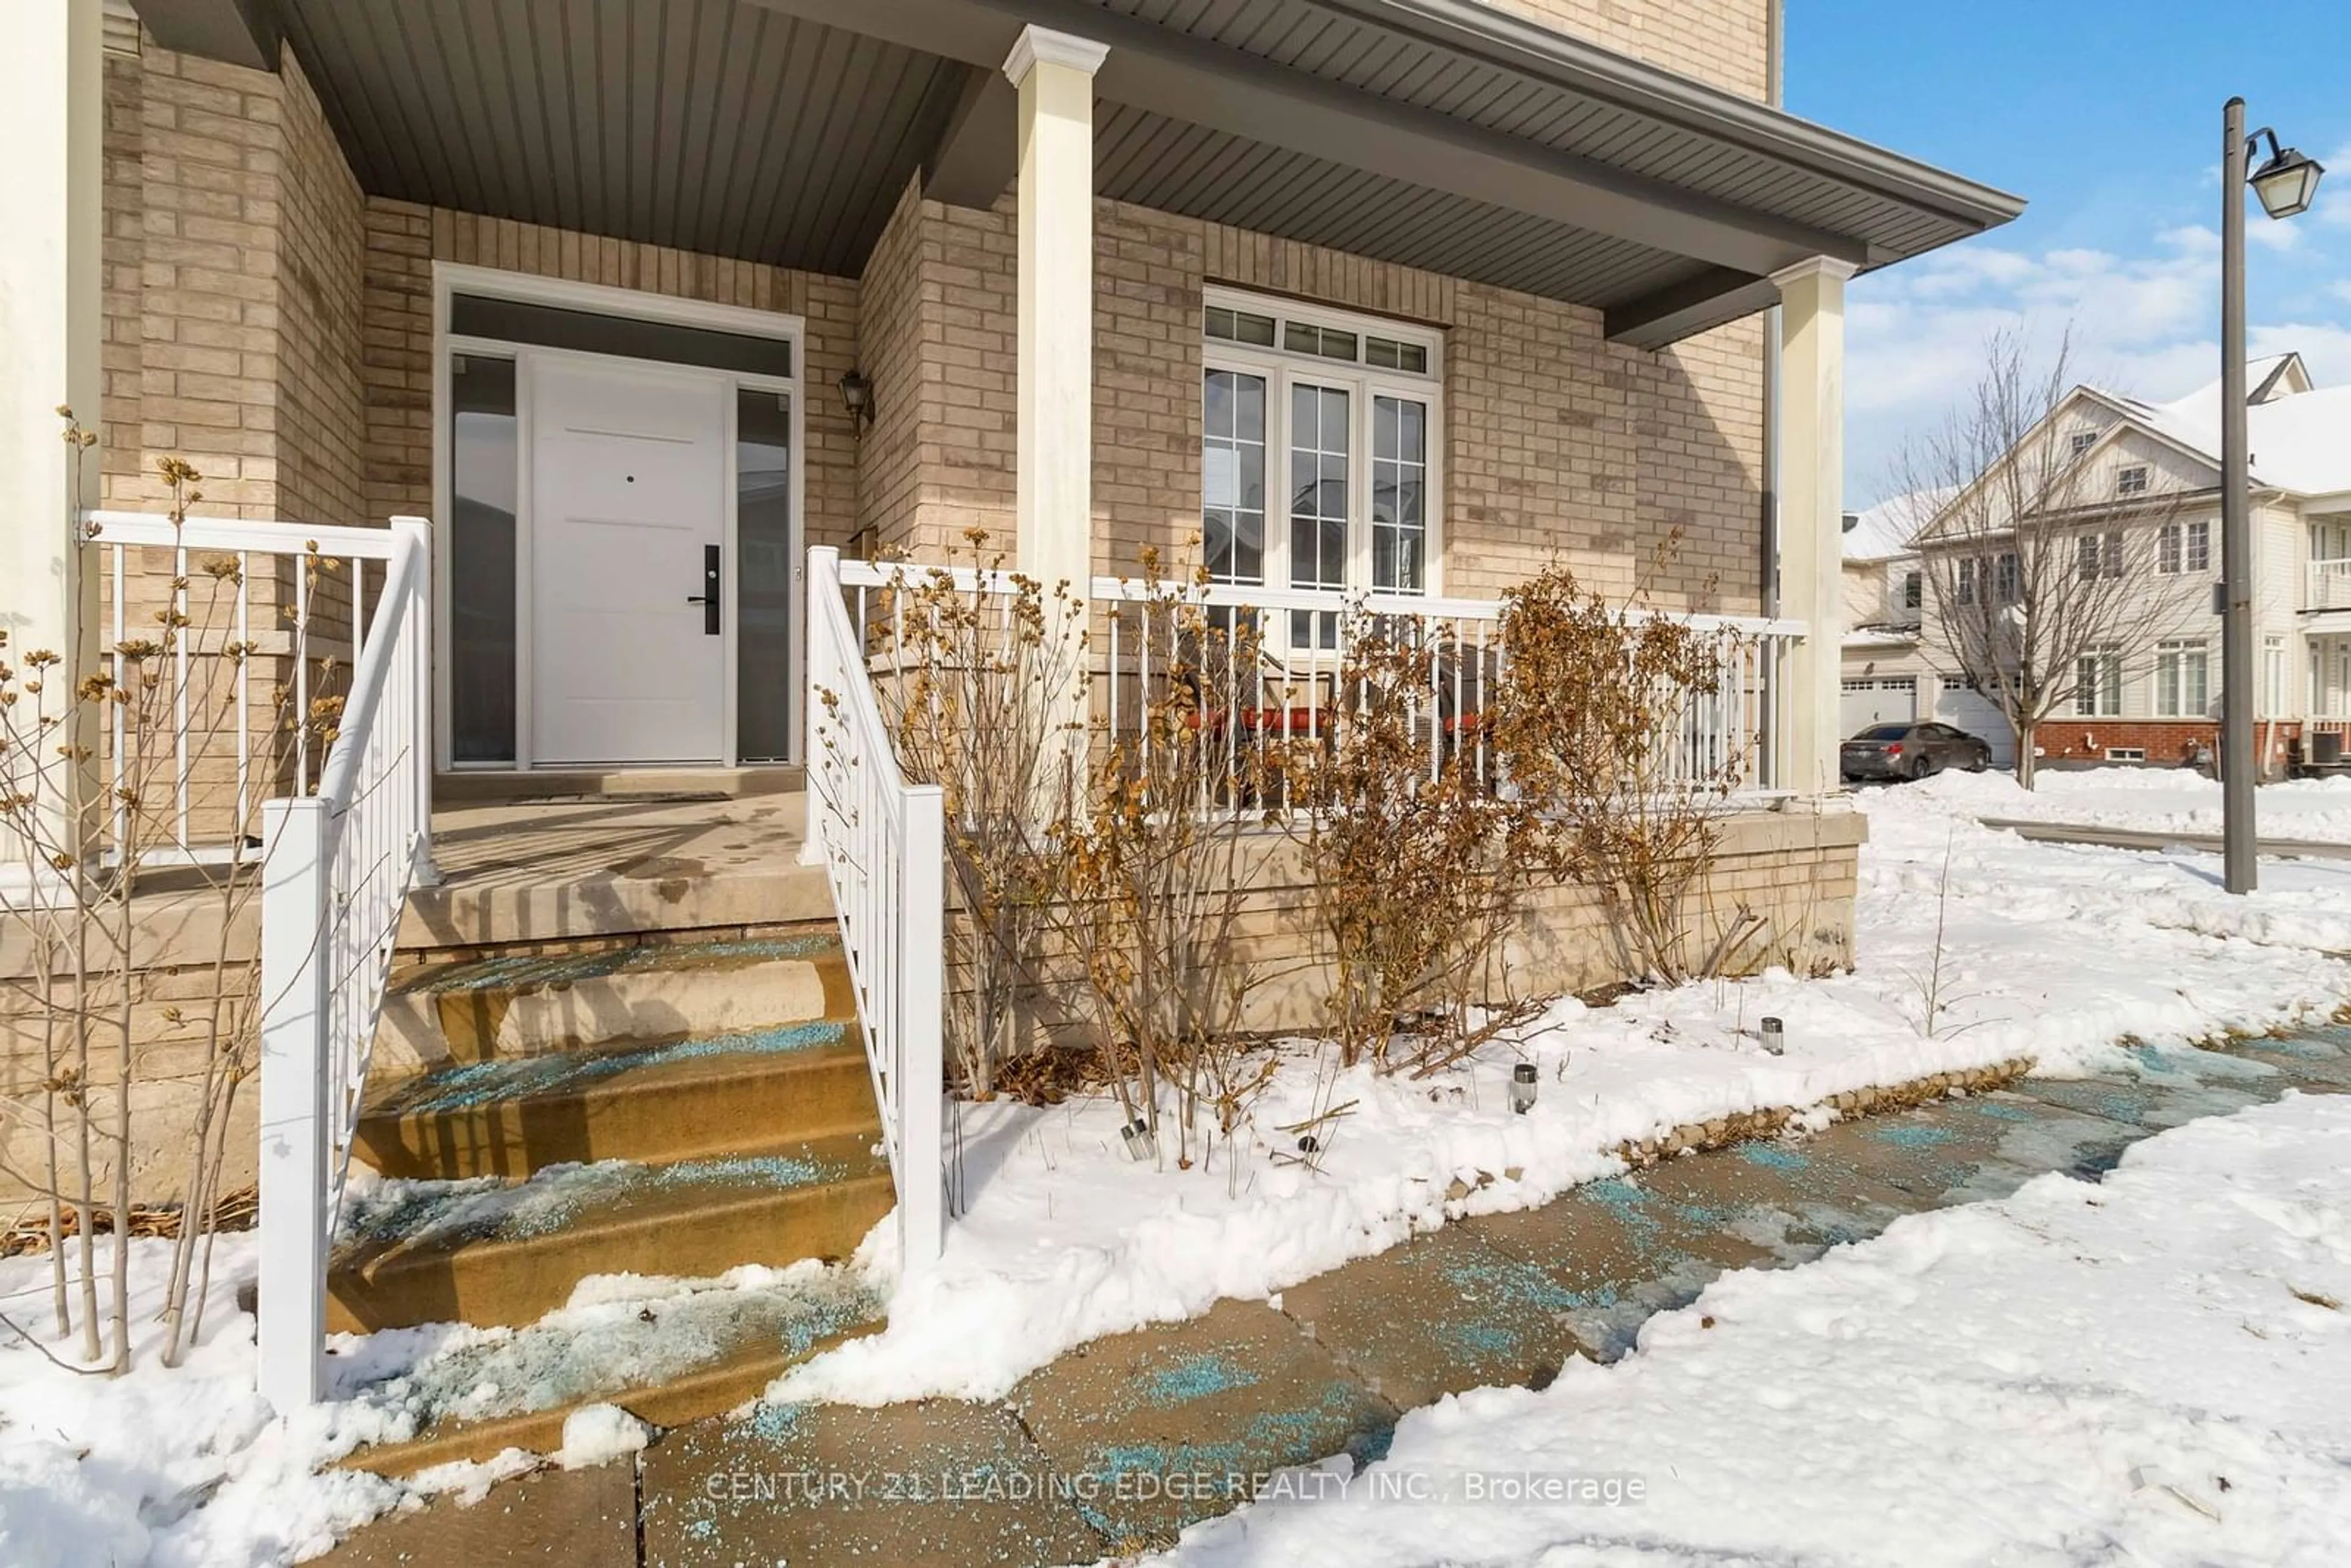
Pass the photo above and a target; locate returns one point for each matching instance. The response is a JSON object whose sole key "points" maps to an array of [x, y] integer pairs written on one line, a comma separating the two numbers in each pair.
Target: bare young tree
{"points": [[2046, 566]]}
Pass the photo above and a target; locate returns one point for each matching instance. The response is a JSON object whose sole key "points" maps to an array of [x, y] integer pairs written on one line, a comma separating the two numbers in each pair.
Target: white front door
{"points": [[629, 476]]}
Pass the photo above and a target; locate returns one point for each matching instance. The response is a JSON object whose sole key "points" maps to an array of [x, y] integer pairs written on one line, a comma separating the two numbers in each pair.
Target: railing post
{"points": [[922, 979], [292, 1294], [824, 675], [418, 629]]}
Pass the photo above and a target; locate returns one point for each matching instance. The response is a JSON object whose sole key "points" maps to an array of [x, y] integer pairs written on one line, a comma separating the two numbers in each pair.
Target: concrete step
{"points": [[683, 1360], [490, 1254], [697, 1098], [477, 1009]]}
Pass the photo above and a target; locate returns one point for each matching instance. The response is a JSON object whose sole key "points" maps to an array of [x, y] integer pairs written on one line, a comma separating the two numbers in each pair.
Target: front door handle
{"points": [[709, 597]]}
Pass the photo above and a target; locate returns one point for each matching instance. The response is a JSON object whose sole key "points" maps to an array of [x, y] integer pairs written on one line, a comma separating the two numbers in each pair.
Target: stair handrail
{"points": [[336, 869], [882, 842]]}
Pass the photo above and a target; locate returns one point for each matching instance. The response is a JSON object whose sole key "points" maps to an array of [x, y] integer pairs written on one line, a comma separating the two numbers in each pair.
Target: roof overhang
{"points": [[1432, 133]]}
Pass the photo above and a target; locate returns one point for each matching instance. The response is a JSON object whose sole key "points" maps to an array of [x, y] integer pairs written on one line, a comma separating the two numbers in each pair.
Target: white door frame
{"points": [[449, 278]]}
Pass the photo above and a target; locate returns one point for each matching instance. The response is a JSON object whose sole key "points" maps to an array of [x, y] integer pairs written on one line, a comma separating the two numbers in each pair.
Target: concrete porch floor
{"points": [[531, 871], [518, 873]]}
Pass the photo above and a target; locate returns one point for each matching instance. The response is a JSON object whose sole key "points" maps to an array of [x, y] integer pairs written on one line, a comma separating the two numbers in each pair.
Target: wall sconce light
{"points": [[857, 396]]}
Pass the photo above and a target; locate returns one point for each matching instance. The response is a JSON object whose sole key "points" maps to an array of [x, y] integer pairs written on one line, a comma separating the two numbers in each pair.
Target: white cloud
{"points": [[2143, 321]]}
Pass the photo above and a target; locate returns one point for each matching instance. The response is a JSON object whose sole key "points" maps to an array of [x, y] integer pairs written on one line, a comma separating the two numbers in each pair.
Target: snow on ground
{"points": [[2051, 951], [2153, 800], [112, 1470], [2054, 952], [2155, 1369]]}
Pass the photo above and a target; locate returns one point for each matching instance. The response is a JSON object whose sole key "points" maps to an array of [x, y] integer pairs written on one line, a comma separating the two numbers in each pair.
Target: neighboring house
{"points": [[636, 305], [2149, 482], [1887, 674]]}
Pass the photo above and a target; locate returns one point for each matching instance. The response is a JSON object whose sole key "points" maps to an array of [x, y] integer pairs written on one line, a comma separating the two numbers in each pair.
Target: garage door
{"points": [[1889, 701], [1963, 708]]}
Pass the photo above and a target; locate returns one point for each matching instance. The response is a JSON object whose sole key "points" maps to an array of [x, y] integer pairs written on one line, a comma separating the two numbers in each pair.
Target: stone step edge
{"points": [[1776, 1121], [709, 1390], [763, 1063], [406, 957]]}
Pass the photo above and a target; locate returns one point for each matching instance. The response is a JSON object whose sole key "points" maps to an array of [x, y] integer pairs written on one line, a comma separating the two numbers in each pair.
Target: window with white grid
{"points": [[1342, 417], [2181, 689]]}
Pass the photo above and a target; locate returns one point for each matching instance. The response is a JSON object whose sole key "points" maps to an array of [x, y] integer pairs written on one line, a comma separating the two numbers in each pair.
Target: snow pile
{"points": [[2152, 1369], [2149, 799], [169, 1467], [2051, 952], [594, 1434]]}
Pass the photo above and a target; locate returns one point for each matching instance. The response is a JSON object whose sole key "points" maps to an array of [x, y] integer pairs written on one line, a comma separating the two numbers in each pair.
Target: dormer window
{"points": [[2131, 481]]}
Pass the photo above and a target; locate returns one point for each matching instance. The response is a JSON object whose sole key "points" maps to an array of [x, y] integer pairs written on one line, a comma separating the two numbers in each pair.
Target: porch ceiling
{"points": [[710, 125], [1435, 133]]}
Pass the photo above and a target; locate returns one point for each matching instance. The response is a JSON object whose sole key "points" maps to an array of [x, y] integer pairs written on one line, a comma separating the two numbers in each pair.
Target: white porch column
{"points": [[1811, 512], [1054, 472], [51, 119], [1055, 75]]}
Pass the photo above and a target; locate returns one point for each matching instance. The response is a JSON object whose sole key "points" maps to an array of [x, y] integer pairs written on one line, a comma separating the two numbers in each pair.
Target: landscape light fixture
{"points": [[2285, 185], [1522, 1087]]}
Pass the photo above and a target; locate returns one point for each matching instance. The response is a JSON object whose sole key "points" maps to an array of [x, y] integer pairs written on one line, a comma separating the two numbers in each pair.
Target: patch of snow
{"points": [[2155, 1368], [2151, 799], [595, 1434]]}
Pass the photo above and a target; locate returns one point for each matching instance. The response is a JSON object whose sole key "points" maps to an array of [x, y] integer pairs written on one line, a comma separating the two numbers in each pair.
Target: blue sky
{"points": [[2105, 114]]}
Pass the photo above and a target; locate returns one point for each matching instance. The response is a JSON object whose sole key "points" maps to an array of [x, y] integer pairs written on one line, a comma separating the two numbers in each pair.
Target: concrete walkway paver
{"points": [[563, 1519], [1197, 1406], [1502, 1298], [2049, 832], [943, 1482]]}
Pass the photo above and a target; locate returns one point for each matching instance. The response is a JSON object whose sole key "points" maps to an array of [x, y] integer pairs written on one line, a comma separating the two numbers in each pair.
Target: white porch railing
{"points": [[336, 865], [2330, 585], [1740, 724], [882, 842]]}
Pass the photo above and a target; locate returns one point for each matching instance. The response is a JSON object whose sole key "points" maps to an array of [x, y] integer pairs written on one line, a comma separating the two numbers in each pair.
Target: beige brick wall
{"points": [[1721, 42], [403, 241], [1557, 443]]}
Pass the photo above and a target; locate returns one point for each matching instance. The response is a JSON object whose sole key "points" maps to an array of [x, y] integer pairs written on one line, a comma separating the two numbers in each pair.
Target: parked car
{"points": [[1914, 750]]}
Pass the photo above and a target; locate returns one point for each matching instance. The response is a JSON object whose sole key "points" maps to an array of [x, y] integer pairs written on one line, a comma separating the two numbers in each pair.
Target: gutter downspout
{"points": [[1774, 92]]}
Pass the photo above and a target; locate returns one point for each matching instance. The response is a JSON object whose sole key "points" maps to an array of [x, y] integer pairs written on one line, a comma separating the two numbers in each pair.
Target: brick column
{"points": [[52, 94], [1812, 513]]}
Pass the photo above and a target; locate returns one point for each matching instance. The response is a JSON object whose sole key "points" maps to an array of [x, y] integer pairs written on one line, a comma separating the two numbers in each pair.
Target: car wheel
{"points": [[1981, 760], [1925, 767]]}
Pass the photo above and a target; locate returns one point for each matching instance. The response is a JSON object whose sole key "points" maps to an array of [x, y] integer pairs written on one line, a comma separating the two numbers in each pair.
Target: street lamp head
{"points": [[2287, 182]]}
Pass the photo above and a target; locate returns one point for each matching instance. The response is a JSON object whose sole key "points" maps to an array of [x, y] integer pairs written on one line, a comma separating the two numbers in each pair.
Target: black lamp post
{"points": [[2285, 185]]}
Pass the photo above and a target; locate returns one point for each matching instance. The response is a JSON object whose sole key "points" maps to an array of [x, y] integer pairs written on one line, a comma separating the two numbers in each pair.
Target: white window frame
{"points": [[1283, 370], [2083, 441], [2098, 555], [2131, 479], [2171, 657], [2274, 694], [2184, 548], [2100, 695]]}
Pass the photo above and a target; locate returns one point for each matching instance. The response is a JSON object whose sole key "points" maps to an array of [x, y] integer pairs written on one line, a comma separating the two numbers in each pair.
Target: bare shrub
{"points": [[1409, 873], [974, 662], [1605, 723], [148, 706], [1156, 868]]}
